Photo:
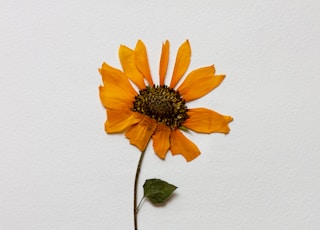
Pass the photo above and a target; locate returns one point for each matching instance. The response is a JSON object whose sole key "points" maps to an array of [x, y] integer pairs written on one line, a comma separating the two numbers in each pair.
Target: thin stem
{"points": [[136, 179], [138, 207]]}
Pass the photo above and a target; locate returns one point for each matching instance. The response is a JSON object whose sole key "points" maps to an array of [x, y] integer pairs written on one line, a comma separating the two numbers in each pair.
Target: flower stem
{"points": [[136, 179]]}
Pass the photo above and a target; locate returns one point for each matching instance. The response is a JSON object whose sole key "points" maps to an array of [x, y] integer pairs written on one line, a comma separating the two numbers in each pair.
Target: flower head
{"points": [[159, 112]]}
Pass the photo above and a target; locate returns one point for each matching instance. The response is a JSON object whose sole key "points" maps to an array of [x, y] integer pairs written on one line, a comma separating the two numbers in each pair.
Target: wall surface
{"points": [[60, 170]]}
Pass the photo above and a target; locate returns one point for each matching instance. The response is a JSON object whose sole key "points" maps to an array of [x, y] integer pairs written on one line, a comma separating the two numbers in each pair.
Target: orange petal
{"points": [[182, 145], [164, 62], [115, 79], [161, 143], [140, 134], [118, 121], [141, 60], [203, 120], [182, 63], [116, 84], [199, 82], [111, 98], [129, 67]]}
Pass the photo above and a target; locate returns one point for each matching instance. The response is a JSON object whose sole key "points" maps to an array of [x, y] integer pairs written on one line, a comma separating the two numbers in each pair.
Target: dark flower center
{"points": [[163, 104]]}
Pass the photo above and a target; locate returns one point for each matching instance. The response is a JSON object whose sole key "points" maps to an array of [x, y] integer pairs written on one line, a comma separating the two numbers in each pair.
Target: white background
{"points": [[58, 168]]}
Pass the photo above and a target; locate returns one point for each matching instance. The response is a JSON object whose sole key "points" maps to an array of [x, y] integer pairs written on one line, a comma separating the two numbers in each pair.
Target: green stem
{"points": [[138, 207], [136, 179]]}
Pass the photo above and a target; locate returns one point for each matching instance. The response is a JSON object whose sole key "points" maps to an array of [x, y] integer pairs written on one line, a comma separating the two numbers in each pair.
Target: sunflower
{"points": [[159, 112]]}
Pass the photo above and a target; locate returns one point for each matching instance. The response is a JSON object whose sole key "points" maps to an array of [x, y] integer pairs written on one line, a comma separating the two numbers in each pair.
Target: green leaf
{"points": [[158, 191]]}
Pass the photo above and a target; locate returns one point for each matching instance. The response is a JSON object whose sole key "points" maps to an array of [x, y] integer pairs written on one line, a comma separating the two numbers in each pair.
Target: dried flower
{"points": [[159, 112]]}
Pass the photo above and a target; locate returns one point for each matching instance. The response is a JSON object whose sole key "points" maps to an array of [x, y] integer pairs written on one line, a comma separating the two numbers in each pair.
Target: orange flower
{"points": [[159, 112]]}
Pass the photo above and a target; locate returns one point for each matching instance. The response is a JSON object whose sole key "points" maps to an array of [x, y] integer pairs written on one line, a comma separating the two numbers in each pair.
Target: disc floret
{"points": [[163, 104]]}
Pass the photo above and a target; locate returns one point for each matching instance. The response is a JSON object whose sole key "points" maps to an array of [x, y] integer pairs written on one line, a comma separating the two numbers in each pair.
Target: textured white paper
{"points": [[60, 171]]}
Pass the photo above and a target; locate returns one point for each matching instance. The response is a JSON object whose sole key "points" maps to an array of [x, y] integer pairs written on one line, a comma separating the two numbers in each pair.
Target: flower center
{"points": [[163, 104]]}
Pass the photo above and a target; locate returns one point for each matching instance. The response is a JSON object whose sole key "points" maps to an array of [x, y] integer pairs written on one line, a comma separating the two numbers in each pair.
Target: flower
{"points": [[159, 112]]}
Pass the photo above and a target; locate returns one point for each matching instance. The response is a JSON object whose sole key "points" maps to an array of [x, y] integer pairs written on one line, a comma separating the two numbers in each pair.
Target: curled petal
{"points": [[161, 143], [119, 121], [203, 120], [181, 64], [182, 145], [164, 62], [140, 133], [200, 82], [126, 56], [141, 60]]}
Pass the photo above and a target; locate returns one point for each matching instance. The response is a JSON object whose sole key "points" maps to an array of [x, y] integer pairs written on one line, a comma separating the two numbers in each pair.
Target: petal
{"points": [[126, 56], [164, 62], [118, 121], [141, 60], [140, 134], [116, 85], [199, 82], [111, 98], [203, 120], [161, 143], [182, 145], [182, 63]]}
